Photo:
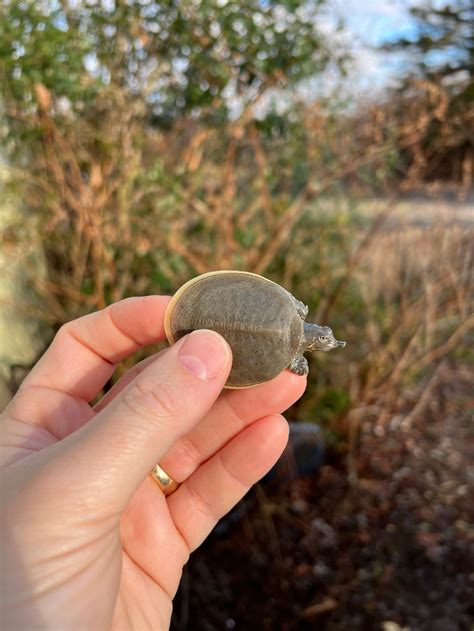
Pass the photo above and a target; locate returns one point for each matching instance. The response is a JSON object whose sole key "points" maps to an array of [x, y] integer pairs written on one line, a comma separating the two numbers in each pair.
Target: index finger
{"points": [[84, 352]]}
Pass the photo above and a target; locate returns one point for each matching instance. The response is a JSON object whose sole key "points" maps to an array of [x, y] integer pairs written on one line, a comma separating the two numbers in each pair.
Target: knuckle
{"points": [[201, 505], [233, 477], [63, 332], [68, 333], [149, 396], [190, 454]]}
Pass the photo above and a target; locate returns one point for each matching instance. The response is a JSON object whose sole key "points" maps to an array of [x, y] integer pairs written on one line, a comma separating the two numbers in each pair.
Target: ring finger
{"points": [[233, 411]]}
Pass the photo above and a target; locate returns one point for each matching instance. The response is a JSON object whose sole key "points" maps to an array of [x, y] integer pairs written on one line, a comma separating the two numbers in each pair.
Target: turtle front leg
{"points": [[299, 366], [301, 308]]}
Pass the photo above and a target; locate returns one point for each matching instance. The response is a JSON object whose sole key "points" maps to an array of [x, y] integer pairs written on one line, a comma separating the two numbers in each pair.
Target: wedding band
{"points": [[165, 482]]}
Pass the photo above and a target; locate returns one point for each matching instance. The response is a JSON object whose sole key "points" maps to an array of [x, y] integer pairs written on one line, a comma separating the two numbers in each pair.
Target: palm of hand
{"points": [[78, 553]]}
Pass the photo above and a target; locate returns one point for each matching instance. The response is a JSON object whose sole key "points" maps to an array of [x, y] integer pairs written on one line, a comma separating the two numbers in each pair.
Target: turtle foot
{"points": [[299, 366]]}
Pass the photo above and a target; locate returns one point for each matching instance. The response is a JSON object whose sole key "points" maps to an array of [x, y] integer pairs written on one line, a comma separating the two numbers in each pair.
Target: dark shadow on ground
{"points": [[320, 553]]}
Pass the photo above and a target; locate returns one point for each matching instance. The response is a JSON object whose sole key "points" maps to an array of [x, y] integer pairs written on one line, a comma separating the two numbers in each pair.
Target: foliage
{"points": [[430, 127], [172, 58], [433, 107], [87, 90], [441, 44], [149, 143]]}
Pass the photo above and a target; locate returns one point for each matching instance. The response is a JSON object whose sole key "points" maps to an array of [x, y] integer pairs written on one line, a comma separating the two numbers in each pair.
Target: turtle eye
{"points": [[323, 338]]}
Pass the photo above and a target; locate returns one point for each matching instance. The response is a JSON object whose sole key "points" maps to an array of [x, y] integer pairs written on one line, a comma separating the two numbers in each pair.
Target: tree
{"points": [[111, 112], [432, 108], [175, 58], [442, 43]]}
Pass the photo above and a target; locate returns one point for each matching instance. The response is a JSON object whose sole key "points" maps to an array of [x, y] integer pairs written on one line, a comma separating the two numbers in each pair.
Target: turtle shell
{"points": [[256, 316]]}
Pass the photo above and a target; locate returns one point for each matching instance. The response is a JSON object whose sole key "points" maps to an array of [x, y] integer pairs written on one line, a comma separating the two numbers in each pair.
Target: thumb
{"points": [[115, 451]]}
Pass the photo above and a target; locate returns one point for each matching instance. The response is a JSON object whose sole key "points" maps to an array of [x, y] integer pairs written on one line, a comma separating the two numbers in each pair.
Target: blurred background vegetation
{"points": [[143, 143]]}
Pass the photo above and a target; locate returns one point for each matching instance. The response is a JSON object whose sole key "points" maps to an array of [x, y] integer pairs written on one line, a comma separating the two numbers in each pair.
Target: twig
{"points": [[447, 347], [425, 397], [318, 608]]}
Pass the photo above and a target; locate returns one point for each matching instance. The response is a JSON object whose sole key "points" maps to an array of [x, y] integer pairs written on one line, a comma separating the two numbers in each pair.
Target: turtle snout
{"points": [[340, 344]]}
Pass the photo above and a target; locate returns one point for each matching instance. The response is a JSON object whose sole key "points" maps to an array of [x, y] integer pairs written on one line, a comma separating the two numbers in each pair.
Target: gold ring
{"points": [[165, 482]]}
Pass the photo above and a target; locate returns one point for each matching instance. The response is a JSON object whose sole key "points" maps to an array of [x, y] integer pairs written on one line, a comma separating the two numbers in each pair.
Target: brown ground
{"points": [[394, 547]]}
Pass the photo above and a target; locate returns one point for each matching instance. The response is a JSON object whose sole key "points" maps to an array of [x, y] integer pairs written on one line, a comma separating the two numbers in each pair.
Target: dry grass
{"points": [[416, 284]]}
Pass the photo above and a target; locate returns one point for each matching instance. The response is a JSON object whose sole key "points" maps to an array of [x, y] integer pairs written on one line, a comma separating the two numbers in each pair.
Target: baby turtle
{"points": [[262, 322]]}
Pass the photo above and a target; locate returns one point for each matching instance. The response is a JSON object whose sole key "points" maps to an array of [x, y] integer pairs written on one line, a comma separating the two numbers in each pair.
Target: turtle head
{"points": [[320, 338]]}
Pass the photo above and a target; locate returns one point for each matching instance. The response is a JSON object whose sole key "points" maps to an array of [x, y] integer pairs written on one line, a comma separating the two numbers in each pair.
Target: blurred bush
{"points": [[154, 141], [119, 123]]}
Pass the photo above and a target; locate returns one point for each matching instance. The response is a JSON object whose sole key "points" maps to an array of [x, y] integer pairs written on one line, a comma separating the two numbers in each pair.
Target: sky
{"points": [[366, 25], [369, 23]]}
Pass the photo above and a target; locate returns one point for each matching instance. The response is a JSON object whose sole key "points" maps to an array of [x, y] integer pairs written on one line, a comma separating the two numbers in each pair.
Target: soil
{"points": [[392, 550]]}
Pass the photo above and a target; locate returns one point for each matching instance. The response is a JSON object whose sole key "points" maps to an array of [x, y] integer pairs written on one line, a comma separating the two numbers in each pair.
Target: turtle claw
{"points": [[299, 366]]}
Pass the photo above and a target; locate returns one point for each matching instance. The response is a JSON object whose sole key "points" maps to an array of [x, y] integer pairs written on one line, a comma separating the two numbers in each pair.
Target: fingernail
{"points": [[204, 354]]}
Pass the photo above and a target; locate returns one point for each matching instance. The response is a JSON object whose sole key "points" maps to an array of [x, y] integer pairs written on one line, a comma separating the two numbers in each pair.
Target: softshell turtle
{"points": [[262, 322]]}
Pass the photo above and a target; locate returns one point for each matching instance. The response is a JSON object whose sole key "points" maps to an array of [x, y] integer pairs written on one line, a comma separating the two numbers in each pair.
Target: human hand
{"points": [[88, 539]]}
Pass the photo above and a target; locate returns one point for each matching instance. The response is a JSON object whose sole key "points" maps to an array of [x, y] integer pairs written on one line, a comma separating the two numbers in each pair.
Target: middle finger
{"points": [[233, 411]]}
